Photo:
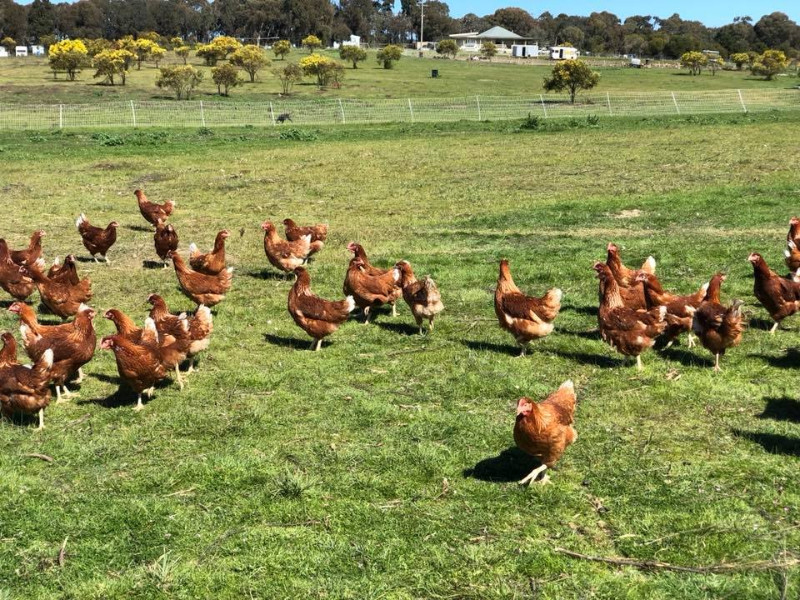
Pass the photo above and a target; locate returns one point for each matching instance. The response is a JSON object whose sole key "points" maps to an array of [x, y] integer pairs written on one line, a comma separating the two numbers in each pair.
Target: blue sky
{"points": [[711, 12]]}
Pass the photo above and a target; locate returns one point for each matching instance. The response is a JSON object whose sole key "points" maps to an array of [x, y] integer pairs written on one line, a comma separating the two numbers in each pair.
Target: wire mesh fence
{"points": [[409, 110]]}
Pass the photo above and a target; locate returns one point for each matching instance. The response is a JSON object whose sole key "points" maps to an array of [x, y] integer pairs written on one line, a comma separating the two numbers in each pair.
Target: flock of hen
{"points": [[634, 310]]}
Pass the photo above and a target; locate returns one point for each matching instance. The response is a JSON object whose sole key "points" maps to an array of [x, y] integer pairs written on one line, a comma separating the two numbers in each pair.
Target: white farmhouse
{"points": [[505, 39]]}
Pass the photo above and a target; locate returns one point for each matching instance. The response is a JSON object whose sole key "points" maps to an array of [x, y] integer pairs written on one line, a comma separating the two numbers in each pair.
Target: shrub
{"points": [[388, 55], [157, 55], [325, 69], [182, 80], [176, 42], [97, 45], [770, 63], [739, 59], [447, 48], [110, 63], [353, 54], [281, 48], [9, 44], [144, 49], [488, 50], [694, 61], [183, 52], [312, 42], [69, 56], [225, 76], [715, 64], [218, 49], [251, 59], [288, 75], [571, 75]]}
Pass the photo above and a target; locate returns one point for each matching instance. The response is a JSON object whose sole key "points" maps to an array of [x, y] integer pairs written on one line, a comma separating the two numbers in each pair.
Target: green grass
{"points": [[31, 81], [361, 471]]}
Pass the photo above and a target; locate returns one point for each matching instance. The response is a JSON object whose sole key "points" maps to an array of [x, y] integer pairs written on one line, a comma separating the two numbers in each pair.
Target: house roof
{"points": [[499, 33]]}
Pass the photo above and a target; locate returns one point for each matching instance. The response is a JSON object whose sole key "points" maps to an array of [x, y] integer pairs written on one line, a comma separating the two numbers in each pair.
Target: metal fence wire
{"points": [[409, 110]]}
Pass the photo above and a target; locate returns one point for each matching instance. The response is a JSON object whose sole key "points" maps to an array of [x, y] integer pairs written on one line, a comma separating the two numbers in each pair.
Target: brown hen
{"points": [[317, 317]]}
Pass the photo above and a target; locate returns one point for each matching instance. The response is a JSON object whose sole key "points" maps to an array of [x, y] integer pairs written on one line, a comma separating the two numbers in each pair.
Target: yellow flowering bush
{"points": [[110, 63], [571, 75], [770, 63], [251, 59], [312, 42], [694, 61], [69, 56], [325, 69], [281, 48]]}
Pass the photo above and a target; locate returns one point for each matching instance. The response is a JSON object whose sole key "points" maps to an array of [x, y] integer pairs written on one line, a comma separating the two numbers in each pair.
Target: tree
{"points": [[388, 55], [572, 35], [144, 49], [210, 54], [488, 50], [41, 19], [9, 44], [176, 41], [770, 63], [156, 55], [69, 56], [281, 48], [514, 19], [225, 45], [183, 52], [739, 59], [694, 61], [251, 59], [312, 42], [110, 63], [353, 54], [225, 76], [777, 30], [447, 48], [571, 75], [715, 64], [181, 79], [97, 45], [325, 69], [288, 75]]}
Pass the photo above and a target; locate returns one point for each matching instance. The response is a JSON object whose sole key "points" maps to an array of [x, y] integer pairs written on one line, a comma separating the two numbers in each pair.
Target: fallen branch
{"points": [[39, 456], [62, 554], [758, 565]]}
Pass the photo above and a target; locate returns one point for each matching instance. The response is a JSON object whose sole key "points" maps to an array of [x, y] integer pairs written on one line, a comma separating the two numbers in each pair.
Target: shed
{"points": [[525, 50], [21, 51]]}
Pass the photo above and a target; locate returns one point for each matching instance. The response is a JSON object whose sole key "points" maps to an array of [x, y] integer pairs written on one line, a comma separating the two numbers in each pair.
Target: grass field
{"points": [[30, 81], [383, 466]]}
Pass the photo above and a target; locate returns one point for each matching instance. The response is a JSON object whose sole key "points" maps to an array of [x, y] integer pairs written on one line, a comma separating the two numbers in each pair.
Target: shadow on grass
{"points": [[781, 409], [8, 303], [512, 464], [20, 419], [586, 310], [593, 334], [399, 328], [759, 323], [153, 264], [89, 259], [598, 360], [140, 228], [498, 348], [287, 342], [685, 357], [790, 360], [771, 442], [270, 274]]}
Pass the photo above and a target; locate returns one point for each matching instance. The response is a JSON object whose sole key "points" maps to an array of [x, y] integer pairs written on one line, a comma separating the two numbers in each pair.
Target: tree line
{"points": [[261, 21]]}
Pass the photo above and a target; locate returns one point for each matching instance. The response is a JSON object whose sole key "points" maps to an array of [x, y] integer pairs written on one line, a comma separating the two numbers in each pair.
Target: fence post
{"points": [[133, 113], [478, 101], [411, 110], [608, 102], [202, 114], [341, 108], [544, 108], [61, 115], [675, 101], [741, 99], [272, 114]]}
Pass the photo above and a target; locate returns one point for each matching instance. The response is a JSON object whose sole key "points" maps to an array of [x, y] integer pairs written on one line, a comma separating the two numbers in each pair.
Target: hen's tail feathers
{"points": [[192, 249], [44, 364], [649, 265], [81, 220], [351, 304]]}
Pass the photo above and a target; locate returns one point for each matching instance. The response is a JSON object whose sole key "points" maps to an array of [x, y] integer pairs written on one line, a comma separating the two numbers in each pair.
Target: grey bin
{"points": [[434, 73]]}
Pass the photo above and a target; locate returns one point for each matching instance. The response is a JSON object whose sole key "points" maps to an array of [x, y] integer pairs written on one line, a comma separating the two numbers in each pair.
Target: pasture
{"points": [[383, 466], [30, 81]]}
